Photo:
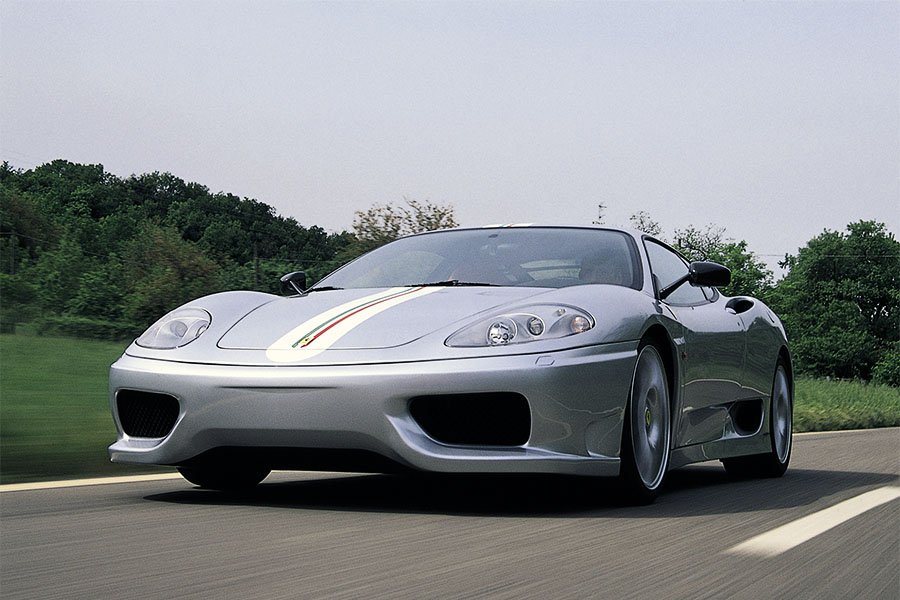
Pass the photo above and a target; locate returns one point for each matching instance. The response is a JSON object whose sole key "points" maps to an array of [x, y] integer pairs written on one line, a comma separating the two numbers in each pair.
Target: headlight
{"points": [[540, 322], [178, 328]]}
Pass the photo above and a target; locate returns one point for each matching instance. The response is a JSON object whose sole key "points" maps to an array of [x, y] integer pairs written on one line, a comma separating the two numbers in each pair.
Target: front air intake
{"points": [[146, 414], [487, 419]]}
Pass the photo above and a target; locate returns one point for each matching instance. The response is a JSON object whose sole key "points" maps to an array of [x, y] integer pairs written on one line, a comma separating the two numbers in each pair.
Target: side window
{"points": [[668, 267]]}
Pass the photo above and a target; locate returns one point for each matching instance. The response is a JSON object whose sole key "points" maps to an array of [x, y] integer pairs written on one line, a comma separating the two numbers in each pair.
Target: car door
{"points": [[712, 355]]}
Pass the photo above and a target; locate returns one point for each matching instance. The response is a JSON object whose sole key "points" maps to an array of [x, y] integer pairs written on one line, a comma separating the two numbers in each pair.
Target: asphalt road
{"points": [[304, 535]]}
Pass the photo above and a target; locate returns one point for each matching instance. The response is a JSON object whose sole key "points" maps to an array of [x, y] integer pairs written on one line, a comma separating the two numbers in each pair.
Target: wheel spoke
{"points": [[781, 413], [650, 418]]}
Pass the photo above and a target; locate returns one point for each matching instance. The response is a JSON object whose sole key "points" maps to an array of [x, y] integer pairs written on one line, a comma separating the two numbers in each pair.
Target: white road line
{"points": [[69, 483], [782, 539], [832, 432], [50, 485]]}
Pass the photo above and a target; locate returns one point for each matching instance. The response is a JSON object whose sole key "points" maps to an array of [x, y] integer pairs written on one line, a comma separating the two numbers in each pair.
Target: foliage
{"points": [[162, 271], [840, 301], [79, 245], [749, 275], [642, 221], [84, 327], [16, 306], [383, 223], [79, 242], [23, 227], [887, 369], [100, 292], [699, 244]]}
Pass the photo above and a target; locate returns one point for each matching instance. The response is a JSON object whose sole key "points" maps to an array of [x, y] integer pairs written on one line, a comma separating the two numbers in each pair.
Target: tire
{"points": [[230, 478], [646, 434], [781, 416]]}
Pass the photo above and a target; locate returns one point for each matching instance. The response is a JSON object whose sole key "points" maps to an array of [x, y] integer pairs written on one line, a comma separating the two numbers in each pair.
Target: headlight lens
{"points": [[533, 323], [178, 328]]}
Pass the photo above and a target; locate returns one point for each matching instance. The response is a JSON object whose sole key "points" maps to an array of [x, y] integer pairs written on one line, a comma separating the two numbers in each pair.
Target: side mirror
{"points": [[709, 274], [293, 283], [700, 273]]}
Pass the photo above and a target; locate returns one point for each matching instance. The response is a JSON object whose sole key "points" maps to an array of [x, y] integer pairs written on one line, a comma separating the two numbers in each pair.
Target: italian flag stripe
{"points": [[325, 326]]}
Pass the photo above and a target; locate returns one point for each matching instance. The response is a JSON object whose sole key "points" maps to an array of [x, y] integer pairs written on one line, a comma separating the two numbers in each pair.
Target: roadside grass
{"points": [[822, 405], [55, 420], [54, 409]]}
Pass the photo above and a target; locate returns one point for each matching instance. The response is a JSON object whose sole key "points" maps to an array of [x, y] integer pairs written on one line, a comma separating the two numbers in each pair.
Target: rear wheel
{"points": [[225, 477], [647, 429], [781, 409]]}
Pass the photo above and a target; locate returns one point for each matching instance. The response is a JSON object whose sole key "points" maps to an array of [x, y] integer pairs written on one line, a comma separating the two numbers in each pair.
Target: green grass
{"points": [[821, 405], [55, 420]]}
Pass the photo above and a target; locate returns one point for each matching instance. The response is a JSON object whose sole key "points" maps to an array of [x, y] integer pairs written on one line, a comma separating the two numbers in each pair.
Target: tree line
{"points": [[85, 252]]}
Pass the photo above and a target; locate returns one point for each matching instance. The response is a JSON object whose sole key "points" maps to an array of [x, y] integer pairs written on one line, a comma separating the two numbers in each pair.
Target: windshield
{"points": [[551, 257]]}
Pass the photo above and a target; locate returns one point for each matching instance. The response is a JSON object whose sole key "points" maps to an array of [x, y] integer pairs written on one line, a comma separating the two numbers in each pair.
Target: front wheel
{"points": [[781, 410], [647, 429], [225, 477]]}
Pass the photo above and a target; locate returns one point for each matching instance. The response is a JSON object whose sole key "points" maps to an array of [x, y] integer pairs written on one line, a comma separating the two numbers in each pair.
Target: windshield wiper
{"points": [[454, 283], [324, 288]]}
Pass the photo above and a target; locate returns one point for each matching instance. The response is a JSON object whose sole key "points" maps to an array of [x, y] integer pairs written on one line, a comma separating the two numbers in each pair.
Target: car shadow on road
{"points": [[696, 490]]}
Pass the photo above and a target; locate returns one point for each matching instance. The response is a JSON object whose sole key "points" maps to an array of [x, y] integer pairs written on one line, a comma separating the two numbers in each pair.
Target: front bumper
{"points": [[576, 398]]}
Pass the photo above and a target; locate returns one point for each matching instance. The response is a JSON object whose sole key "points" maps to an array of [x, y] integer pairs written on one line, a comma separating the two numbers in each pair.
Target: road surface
{"points": [[306, 535]]}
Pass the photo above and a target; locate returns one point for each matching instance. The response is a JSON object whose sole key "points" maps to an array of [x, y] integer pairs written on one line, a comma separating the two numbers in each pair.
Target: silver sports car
{"points": [[519, 349]]}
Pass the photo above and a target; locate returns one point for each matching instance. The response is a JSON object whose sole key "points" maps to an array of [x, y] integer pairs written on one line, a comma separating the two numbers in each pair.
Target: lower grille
{"points": [[487, 419], [146, 414]]}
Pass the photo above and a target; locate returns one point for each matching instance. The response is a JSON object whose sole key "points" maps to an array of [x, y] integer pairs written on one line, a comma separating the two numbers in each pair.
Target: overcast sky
{"points": [[773, 120]]}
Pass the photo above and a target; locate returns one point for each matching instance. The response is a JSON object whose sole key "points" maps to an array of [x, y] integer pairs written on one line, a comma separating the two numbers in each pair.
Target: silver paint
{"points": [[355, 395]]}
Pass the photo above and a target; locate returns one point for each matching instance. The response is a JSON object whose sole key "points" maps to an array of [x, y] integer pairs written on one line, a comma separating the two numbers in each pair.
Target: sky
{"points": [[772, 120]]}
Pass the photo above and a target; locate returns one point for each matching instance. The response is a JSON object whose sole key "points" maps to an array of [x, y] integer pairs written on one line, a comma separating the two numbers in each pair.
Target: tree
{"points": [[840, 301], [699, 244], [16, 302], [749, 275], [383, 223], [642, 222], [56, 274], [162, 271], [99, 293], [24, 230]]}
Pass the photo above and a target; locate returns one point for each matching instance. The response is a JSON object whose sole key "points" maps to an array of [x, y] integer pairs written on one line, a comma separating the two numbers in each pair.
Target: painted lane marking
{"points": [[832, 432], [319, 333], [781, 539], [69, 483]]}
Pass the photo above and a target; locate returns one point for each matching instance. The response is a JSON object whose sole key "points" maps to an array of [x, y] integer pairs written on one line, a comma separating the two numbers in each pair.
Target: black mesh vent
{"points": [[488, 419], [146, 414]]}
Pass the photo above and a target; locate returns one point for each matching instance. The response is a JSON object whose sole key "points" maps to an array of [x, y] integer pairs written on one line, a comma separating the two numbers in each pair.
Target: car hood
{"points": [[299, 327]]}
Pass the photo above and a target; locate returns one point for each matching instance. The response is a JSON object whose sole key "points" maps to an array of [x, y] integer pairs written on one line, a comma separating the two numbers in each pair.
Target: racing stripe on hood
{"points": [[322, 331]]}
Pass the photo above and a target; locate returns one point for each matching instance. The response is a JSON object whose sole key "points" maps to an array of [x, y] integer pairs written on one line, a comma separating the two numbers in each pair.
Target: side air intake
{"points": [[146, 414], [487, 419]]}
